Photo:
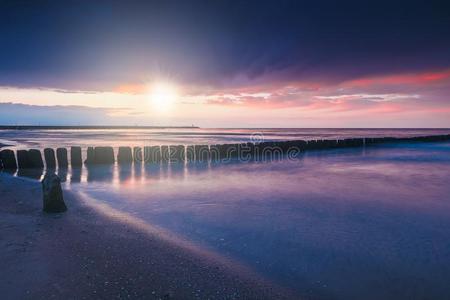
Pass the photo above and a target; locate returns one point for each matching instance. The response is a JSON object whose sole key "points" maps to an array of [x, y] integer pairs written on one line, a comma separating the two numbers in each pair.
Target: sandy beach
{"points": [[84, 254]]}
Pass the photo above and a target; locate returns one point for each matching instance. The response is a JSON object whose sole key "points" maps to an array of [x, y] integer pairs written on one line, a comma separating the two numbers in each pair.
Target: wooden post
{"points": [[22, 159], [104, 155], [190, 153], [90, 156], [165, 154], [50, 160], [125, 155], [75, 157], [8, 159], [138, 155], [61, 156]]}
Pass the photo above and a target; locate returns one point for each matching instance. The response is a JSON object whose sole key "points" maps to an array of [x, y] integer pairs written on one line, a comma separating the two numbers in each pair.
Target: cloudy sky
{"points": [[226, 63]]}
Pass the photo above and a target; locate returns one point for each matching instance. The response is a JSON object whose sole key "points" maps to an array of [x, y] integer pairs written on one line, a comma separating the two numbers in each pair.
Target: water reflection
{"points": [[31, 173], [153, 171], [176, 170], [137, 171], [75, 175], [9, 171], [329, 224], [62, 174], [125, 172], [102, 173], [134, 173], [140, 172], [198, 167]]}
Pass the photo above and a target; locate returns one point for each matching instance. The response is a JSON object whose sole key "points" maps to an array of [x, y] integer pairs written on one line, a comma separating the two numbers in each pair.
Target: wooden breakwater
{"points": [[33, 159]]}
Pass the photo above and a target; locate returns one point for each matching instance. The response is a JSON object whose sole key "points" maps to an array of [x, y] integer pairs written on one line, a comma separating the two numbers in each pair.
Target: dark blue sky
{"points": [[96, 45]]}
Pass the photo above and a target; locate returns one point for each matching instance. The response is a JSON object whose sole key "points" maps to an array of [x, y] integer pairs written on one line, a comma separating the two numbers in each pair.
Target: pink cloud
{"points": [[401, 79], [388, 94]]}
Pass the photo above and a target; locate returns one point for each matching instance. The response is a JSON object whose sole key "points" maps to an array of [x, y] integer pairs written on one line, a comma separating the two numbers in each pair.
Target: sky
{"points": [[225, 63]]}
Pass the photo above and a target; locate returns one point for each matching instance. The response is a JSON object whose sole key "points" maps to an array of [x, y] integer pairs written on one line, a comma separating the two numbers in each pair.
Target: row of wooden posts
{"points": [[32, 159]]}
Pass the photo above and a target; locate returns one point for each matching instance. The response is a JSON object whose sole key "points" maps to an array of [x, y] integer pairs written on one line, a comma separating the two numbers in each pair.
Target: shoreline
{"points": [[83, 253]]}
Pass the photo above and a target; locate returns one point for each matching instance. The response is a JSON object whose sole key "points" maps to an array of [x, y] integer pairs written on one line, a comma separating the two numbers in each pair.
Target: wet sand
{"points": [[85, 254]]}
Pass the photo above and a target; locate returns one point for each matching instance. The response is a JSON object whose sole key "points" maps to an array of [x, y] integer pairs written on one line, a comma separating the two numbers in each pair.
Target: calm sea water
{"points": [[66, 138], [363, 223]]}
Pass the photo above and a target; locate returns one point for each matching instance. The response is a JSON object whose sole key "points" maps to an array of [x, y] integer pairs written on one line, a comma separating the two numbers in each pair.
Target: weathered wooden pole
{"points": [[146, 154], [53, 200], [125, 155], [215, 152], [202, 153], [8, 159], [104, 155], [152, 154], [23, 160], [90, 156], [301, 144], [35, 158], [231, 150], [50, 160], [61, 156], [177, 153], [165, 154], [75, 157], [138, 155], [190, 153]]}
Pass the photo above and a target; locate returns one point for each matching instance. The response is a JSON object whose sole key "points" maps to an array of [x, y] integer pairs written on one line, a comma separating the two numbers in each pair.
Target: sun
{"points": [[163, 95]]}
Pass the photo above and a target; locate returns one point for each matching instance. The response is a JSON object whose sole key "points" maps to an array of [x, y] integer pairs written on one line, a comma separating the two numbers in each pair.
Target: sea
{"points": [[370, 222]]}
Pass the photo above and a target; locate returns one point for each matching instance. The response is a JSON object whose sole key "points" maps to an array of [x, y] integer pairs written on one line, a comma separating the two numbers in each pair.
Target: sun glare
{"points": [[162, 95]]}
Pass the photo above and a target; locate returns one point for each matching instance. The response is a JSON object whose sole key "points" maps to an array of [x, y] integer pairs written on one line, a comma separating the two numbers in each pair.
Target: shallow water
{"points": [[355, 223], [361, 223]]}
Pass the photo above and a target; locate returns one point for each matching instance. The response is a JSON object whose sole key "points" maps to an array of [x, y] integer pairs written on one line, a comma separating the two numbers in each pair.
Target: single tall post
{"points": [[8, 159], [125, 155], [61, 155], [75, 157], [50, 160]]}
